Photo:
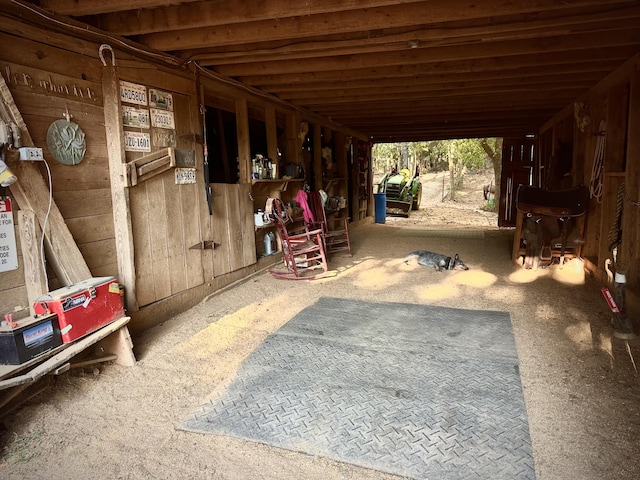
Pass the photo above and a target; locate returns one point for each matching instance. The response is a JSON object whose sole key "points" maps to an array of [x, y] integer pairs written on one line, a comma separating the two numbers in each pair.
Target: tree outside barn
{"points": [[454, 156]]}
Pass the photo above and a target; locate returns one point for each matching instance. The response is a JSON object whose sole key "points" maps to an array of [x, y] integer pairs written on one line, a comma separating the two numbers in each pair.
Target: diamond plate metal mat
{"points": [[418, 391]]}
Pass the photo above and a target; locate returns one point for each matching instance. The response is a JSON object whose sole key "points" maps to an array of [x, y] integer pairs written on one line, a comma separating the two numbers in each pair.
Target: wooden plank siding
{"points": [[615, 100], [54, 73]]}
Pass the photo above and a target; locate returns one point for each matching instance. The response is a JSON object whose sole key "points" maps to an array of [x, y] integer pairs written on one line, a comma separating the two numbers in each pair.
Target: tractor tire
{"points": [[418, 198]]}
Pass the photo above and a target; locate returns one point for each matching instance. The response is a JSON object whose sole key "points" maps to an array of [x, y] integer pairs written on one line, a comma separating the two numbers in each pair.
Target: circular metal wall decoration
{"points": [[66, 142]]}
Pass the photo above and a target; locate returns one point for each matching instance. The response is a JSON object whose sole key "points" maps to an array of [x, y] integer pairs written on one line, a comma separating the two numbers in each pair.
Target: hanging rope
{"points": [[615, 232], [595, 186]]}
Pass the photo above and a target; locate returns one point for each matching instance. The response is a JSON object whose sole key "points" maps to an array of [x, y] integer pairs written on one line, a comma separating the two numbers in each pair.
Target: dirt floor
{"points": [[581, 385]]}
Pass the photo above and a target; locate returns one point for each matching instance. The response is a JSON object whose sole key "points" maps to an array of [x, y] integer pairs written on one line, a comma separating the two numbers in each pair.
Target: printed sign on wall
{"points": [[160, 99], [162, 119], [133, 93], [8, 252], [185, 176], [135, 117], [137, 142]]}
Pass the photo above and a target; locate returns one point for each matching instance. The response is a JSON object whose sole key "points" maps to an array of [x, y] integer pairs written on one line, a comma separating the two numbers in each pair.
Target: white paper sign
{"points": [[8, 251], [137, 142], [162, 119], [185, 176], [133, 93]]}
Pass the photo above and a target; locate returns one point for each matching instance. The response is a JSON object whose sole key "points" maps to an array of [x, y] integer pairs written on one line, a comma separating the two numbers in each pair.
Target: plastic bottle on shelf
{"points": [[258, 218], [268, 249]]}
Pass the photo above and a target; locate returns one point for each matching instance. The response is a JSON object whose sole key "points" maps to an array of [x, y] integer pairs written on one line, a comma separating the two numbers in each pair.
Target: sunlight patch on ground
{"points": [[572, 272], [524, 275], [580, 334], [379, 277], [475, 278], [240, 331], [451, 282], [208, 342], [436, 292]]}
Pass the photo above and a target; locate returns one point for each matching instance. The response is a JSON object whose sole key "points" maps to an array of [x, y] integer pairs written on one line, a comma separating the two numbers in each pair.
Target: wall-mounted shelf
{"points": [[277, 185], [264, 227]]}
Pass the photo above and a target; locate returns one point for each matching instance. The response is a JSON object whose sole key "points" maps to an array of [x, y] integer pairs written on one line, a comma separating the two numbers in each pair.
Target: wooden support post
{"points": [[294, 143], [244, 146], [35, 276], [223, 147], [119, 191], [317, 155], [629, 253], [272, 138], [617, 109], [32, 193], [119, 344], [340, 154]]}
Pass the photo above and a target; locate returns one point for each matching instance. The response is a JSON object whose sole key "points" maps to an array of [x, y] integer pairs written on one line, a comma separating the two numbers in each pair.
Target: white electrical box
{"points": [[31, 153]]}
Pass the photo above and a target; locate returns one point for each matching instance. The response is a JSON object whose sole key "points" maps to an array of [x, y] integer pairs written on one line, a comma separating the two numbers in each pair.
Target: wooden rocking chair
{"points": [[303, 251], [335, 240]]}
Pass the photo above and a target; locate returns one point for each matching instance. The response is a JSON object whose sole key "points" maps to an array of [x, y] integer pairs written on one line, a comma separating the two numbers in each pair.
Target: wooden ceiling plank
{"points": [[363, 19], [93, 7], [446, 107], [594, 24], [579, 44], [450, 95], [531, 75], [207, 14], [309, 96], [527, 64]]}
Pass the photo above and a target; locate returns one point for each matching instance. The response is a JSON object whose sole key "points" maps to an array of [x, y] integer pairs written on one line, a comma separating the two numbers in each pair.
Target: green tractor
{"points": [[403, 191]]}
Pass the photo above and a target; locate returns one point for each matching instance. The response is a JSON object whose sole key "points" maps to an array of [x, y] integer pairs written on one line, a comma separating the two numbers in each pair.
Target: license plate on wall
{"points": [[185, 176]]}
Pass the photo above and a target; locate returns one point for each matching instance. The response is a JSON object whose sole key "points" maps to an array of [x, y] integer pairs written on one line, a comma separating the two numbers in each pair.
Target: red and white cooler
{"points": [[84, 307]]}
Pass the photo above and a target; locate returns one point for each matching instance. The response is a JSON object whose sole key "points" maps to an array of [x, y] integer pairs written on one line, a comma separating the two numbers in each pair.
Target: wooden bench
{"points": [[110, 343]]}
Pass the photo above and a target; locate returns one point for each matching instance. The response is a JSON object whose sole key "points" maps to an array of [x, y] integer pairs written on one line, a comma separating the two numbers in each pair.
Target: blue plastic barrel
{"points": [[380, 204]]}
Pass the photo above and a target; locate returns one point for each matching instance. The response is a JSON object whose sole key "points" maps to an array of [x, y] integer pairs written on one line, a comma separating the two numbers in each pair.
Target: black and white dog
{"points": [[437, 260]]}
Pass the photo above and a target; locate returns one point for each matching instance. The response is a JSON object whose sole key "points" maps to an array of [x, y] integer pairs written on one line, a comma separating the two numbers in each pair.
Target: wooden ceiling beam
{"points": [[411, 121], [580, 44], [472, 127], [446, 100], [449, 134], [369, 19], [444, 107], [383, 113], [465, 67], [77, 8], [404, 90], [589, 72], [215, 13], [596, 23]]}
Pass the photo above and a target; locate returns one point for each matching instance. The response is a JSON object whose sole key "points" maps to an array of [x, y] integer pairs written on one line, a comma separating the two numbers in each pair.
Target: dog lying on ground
{"points": [[436, 260]]}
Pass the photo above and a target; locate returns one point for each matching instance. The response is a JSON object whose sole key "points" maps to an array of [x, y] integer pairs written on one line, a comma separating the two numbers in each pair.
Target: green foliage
{"points": [[435, 155]]}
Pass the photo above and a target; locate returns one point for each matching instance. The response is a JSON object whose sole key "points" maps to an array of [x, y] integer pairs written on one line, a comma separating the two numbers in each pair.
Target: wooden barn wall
{"points": [[50, 73], [45, 83], [167, 219], [613, 108]]}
